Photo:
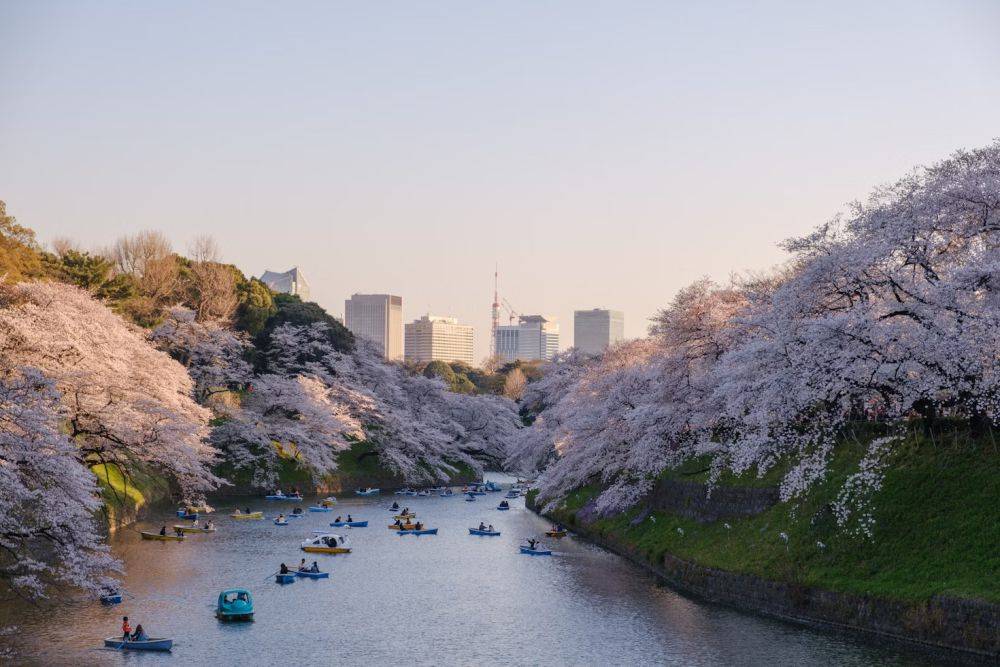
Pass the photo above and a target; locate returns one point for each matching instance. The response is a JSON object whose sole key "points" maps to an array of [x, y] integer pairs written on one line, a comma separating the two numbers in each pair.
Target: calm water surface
{"points": [[428, 600]]}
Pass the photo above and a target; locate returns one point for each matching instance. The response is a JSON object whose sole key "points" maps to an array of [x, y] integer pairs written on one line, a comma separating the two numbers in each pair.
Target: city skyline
{"points": [[354, 144]]}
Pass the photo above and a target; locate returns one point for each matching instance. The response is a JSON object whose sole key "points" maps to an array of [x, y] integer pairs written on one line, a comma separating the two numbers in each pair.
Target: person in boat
{"points": [[297, 510], [163, 531], [126, 629], [139, 635], [246, 510], [283, 569], [482, 526], [398, 523], [337, 520], [278, 493], [504, 503], [210, 525], [302, 565], [531, 543], [194, 522], [238, 511], [490, 528], [178, 532], [281, 517], [315, 567], [419, 526], [349, 519], [395, 506]]}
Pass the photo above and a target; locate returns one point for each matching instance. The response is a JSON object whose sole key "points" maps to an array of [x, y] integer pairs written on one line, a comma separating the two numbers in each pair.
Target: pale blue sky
{"points": [[605, 154]]}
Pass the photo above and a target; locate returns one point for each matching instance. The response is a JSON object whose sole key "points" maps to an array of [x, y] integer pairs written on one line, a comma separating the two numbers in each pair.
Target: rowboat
{"points": [[281, 496], [556, 533], [251, 515], [284, 578], [446, 493], [315, 508], [312, 575], [181, 514], [535, 552], [470, 498], [327, 543], [411, 515], [502, 508], [162, 538], [424, 494], [111, 598], [406, 526], [367, 492], [151, 644], [235, 604], [281, 523], [425, 531], [476, 531], [294, 516], [477, 492], [351, 524], [401, 492], [329, 500], [194, 529], [511, 495]]}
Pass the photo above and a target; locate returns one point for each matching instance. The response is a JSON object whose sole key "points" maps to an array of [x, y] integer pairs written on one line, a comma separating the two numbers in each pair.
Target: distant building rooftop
{"points": [[289, 282]]}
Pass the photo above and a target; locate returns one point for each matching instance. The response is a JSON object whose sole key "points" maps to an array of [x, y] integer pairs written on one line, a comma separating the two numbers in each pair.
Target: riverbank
{"points": [[927, 578]]}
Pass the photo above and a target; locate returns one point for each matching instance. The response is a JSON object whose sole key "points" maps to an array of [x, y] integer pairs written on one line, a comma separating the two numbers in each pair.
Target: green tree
{"points": [[256, 306], [440, 369], [20, 258], [290, 309]]}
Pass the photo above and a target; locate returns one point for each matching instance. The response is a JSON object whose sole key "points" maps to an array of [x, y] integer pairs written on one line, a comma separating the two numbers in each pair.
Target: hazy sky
{"points": [[605, 154]]}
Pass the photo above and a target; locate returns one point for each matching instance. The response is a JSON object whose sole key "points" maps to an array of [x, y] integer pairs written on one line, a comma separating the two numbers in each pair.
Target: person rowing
{"points": [[283, 569], [531, 543], [337, 520], [163, 531], [349, 519], [315, 567], [395, 506], [297, 510], [482, 526], [419, 526]]}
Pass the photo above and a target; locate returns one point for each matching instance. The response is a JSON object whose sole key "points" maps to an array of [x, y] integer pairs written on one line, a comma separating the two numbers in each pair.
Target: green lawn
{"points": [[937, 527]]}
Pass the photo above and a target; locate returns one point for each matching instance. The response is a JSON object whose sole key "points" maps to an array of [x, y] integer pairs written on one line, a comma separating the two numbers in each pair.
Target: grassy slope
{"points": [[123, 498], [937, 528]]}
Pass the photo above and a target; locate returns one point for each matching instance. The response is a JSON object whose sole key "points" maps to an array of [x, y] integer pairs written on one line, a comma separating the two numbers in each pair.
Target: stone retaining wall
{"points": [[957, 629]]}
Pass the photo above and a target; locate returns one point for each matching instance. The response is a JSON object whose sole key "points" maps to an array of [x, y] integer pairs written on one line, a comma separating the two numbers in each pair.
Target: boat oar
{"points": [[273, 575]]}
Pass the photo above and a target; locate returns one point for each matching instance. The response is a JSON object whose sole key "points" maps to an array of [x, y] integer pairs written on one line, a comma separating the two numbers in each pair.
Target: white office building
{"points": [[594, 330], [438, 338], [377, 318], [289, 282], [534, 337]]}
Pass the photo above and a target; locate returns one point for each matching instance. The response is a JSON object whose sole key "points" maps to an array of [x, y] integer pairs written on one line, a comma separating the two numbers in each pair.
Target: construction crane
{"points": [[499, 303]]}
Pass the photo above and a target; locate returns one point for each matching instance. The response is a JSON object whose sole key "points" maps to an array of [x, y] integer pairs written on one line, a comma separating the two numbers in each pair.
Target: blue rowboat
{"points": [[352, 524], [113, 598], [283, 497], [535, 552], [235, 604], [367, 492], [476, 531], [425, 531], [294, 516], [502, 508], [184, 515], [314, 508], [312, 575], [151, 644], [281, 523], [445, 494], [512, 496], [284, 578]]}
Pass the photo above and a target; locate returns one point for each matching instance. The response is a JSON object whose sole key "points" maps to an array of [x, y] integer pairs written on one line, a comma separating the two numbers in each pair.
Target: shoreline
{"points": [[924, 628]]}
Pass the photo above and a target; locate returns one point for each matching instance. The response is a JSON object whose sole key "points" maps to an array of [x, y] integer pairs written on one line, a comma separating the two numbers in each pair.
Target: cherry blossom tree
{"points": [[213, 354], [123, 401], [48, 500]]}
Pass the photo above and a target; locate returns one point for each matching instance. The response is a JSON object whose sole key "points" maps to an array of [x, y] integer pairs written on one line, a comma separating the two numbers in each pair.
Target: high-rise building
{"points": [[594, 330], [377, 318], [289, 282], [533, 337], [438, 338]]}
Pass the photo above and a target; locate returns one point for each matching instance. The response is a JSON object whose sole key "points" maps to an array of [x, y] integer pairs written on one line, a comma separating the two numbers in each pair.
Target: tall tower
{"points": [[495, 325]]}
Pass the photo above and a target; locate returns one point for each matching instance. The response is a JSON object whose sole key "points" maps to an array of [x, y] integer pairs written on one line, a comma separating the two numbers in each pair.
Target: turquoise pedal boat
{"points": [[235, 604]]}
